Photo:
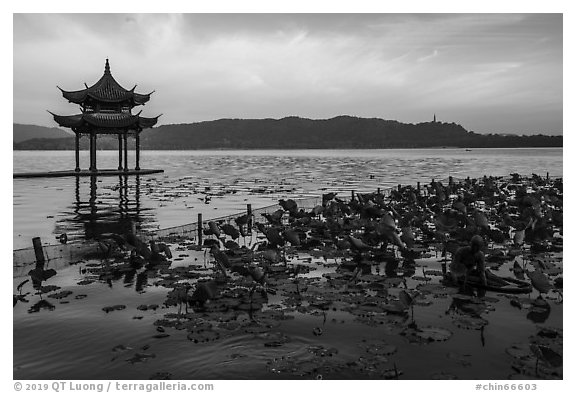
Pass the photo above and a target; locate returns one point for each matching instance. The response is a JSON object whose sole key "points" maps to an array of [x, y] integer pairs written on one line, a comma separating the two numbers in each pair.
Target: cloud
{"points": [[207, 66], [428, 57]]}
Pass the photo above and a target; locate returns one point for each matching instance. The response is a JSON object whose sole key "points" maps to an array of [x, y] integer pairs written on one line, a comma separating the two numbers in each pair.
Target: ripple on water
{"points": [[178, 195]]}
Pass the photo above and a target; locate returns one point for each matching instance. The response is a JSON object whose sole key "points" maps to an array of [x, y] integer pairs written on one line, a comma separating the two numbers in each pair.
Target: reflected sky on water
{"points": [[218, 183], [107, 331]]}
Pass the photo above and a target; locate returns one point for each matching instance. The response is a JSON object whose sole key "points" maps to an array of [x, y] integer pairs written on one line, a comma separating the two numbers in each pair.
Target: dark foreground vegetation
{"points": [[362, 279]]}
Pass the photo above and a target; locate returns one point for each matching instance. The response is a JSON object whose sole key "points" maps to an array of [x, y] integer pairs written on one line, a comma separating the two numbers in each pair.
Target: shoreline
{"points": [[318, 148]]}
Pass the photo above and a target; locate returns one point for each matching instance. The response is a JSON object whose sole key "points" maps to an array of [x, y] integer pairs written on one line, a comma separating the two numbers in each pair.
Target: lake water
{"points": [[231, 179], [68, 333]]}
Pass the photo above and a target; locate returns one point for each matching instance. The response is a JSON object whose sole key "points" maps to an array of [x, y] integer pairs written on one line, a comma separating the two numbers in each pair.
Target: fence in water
{"points": [[61, 255], [190, 231]]}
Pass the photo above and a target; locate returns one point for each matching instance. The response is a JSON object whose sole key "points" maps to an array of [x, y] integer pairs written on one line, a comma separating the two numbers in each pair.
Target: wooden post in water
{"points": [[249, 214], [399, 187], [200, 229], [547, 176], [39, 252], [353, 194], [418, 187]]}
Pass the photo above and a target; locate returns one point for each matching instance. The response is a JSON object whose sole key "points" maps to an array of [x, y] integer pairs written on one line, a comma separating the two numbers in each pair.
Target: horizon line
{"points": [[334, 117]]}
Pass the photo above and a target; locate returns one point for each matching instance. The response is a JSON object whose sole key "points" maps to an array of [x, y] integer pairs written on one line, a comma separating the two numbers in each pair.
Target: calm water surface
{"points": [[77, 340], [231, 179]]}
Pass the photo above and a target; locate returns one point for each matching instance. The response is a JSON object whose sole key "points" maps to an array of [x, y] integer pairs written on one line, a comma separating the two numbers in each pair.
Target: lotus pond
{"points": [[351, 289]]}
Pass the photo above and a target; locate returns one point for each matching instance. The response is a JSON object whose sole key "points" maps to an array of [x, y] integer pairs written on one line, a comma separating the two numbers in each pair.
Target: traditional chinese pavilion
{"points": [[107, 109]]}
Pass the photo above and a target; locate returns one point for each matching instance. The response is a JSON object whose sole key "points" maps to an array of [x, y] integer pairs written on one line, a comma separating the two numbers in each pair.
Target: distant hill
{"points": [[67, 143], [23, 132], [342, 132]]}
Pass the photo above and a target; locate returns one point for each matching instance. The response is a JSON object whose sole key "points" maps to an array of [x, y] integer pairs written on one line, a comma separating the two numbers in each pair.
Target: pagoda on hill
{"points": [[106, 109]]}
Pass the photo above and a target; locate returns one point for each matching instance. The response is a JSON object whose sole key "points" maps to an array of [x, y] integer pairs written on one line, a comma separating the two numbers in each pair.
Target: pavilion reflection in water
{"points": [[109, 205]]}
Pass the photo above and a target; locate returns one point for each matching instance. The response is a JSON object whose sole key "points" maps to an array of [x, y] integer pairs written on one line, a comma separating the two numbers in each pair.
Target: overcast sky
{"points": [[489, 72]]}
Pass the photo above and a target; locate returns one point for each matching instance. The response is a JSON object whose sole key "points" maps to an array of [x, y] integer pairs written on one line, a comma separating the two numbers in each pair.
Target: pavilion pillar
{"points": [[137, 151], [119, 152], [125, 151], [91, 152], [94, 148], [77, 169]]}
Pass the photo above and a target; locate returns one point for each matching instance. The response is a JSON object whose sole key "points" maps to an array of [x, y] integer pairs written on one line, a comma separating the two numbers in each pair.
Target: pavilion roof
{"points": [[107, 89], [111, 121]]}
